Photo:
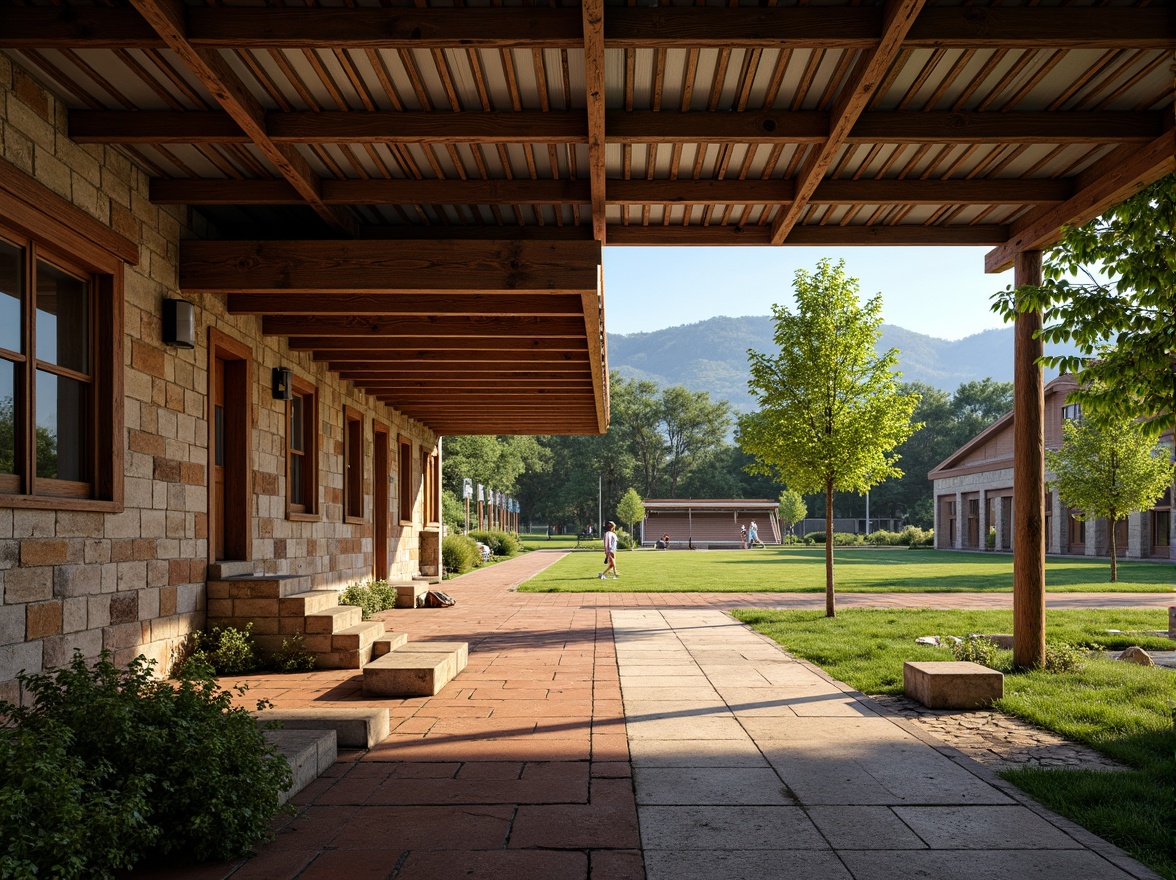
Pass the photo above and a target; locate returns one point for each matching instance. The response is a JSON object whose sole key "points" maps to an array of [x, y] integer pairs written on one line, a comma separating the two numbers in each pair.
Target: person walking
{"points": [[610, 551], [742, 536], [753, 536]]}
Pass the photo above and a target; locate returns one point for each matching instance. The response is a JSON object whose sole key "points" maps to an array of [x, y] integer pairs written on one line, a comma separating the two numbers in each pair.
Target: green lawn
{"points": [[1122, 710], [796, 570], [540, 541]]}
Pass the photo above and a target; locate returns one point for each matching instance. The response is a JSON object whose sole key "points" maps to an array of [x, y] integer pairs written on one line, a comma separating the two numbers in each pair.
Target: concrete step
{"points": [[228, 569], [333, 620], [388, 642], [310, 602], [398, 674], [411, 595], [354, 728], [459, 650], [308, 752], [358, 637], [258, 587]]}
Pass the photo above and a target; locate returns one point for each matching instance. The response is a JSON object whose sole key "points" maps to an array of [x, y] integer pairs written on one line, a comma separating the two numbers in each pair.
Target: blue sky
{"points": [[941, 291]]}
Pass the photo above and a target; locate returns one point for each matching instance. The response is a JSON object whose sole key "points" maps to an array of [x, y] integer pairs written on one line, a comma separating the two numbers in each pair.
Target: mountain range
{"points": [[711, 356]]}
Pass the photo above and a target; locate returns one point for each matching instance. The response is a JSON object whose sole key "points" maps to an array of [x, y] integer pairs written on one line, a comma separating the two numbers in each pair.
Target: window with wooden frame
{"points": [[60, 375], [404, 479], [302, 452], [352, 465], [427, 485]]}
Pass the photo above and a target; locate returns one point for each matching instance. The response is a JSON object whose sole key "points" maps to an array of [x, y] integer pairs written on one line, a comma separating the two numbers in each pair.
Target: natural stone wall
{"points": [[134, 581]]}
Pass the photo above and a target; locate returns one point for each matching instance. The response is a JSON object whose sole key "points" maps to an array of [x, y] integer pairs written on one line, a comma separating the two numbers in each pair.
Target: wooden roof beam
{"points": [[814, 236], [348, 267], [328, 348], [496, 304], [166, 17], [424, 329], [962, 27], [620, 192], [622, 127], [868, 75], [593, 18], [1111, 180]]}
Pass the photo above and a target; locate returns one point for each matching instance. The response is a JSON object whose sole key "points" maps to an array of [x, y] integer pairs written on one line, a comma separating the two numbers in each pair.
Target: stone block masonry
{"points": [[133, 580]]}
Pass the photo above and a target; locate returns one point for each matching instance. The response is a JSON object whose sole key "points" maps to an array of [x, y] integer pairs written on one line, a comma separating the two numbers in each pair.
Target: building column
{"points": [[1029, 479], [1139, 534], [983, 519], [998, 524], [958, 543], [1061, 521], [1096, 537]]}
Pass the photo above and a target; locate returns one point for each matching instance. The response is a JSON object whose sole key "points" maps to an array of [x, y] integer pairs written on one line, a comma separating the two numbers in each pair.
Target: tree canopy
{"points": [[792, 509], [830, 408], [630, 509], [1108, 468], [1122, 314]]}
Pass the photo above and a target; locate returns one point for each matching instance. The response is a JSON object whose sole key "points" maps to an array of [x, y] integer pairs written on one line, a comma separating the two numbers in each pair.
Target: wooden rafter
{"points": [[633, 127], [620, 192], [460, 327], [494, 304], [898, 17], [593, 17], [962, 27], [166, 17]]}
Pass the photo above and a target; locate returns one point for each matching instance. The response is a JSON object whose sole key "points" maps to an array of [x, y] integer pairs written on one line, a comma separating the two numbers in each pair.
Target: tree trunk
{"points": [[830, 607], [1114, 554]]}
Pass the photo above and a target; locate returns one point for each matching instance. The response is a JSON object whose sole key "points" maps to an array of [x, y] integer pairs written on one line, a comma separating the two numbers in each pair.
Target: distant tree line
{"points": [[676, 443]]}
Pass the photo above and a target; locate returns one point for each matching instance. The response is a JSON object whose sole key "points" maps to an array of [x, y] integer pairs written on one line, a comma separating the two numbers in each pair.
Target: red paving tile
{"points": [[520, 767]]}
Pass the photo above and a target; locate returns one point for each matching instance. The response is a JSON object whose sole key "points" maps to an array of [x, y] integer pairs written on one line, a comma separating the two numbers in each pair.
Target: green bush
{"points": [[624, 540], [913, 536], [224, 651], [1062, 657], [975, 649], [293, 656], [371, 597], [884, 538], [107, 766], [500, 543], [459, 554]]}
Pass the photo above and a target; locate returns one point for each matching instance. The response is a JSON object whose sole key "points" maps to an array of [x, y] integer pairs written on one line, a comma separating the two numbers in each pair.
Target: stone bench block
{"points": [[388, 642], [411, 595], [354, 728], [333, 620], [398, 674], [952, 684], [460, 651], [308, 752]]}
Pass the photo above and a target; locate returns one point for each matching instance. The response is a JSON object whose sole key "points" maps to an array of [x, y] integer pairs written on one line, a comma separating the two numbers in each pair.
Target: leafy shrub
{"points": [[913, 536], [990, 538], [293, 656], [624, 540], [370, 597], [108, 766], [226, 651], [459, 554], [883, 538], [975, 649], [500, 543], [815, 538], [1062, 657]]}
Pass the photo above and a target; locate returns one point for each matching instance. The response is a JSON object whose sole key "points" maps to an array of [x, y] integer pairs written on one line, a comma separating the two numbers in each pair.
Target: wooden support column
{"points": [[1029, 478]]}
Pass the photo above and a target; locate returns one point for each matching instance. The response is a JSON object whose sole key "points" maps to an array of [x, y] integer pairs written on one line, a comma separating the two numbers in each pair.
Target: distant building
{"points": [[973, 490], [707, 523]]}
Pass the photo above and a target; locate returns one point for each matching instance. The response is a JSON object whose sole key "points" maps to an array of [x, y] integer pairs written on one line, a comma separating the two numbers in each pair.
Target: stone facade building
{"points": [[974, 495], [116, 494]]}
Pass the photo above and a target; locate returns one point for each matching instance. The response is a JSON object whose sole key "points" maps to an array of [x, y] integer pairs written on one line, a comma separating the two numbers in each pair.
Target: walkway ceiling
{"points": [[433, 182]]}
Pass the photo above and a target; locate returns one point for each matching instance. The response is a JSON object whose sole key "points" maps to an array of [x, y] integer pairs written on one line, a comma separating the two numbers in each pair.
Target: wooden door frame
{"points": [[238, 448], [381, 505]]}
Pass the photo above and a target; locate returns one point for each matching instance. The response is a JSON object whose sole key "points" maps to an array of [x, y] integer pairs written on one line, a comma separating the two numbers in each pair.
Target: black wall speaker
{"points": [[179, 323]]}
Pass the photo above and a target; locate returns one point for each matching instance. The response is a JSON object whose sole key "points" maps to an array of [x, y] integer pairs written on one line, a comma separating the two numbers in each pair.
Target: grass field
{"points": [[802, 570], [1122, 710]]}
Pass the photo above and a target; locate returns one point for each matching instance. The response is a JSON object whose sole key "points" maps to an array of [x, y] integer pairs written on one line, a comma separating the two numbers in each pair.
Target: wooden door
{"points": [[217, 502], [380, 483]]}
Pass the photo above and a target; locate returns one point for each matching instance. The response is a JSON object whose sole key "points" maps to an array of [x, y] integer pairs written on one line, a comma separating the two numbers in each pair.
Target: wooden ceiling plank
{"points": [[592, 15], [1116, 177], [424, 329], [497, 304], [817, 236], [330, 348], [898, 17], [167, 18], [1006, 128], [387, 266]]}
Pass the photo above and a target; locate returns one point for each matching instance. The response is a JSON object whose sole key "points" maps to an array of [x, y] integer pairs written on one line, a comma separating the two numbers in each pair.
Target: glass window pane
{"points": [[11, 292], [62, 428], [7, 417], [63, 319], [297, 437], [296, 480]]}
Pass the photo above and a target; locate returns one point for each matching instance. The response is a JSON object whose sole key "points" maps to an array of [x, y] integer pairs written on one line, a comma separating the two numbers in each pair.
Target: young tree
{"points": [[1109, 468], [1124, 326], [792, 509], [630, 509], [831, 411]]}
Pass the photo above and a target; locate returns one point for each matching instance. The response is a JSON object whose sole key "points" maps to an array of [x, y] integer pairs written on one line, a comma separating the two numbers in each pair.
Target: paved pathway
{"points": [[748, 763]]}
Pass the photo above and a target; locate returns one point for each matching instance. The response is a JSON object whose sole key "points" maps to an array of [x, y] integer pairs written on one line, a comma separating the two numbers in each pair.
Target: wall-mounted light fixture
{"points": [[179, 323], [283, 388]]}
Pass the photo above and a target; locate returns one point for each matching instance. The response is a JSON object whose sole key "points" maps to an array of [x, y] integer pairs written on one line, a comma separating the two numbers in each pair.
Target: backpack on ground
{"points": [[437, 599]]}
